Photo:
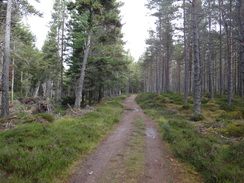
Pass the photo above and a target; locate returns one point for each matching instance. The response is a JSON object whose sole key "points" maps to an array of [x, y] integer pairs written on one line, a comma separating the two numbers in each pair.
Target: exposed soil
{"points": [[133, 153]]}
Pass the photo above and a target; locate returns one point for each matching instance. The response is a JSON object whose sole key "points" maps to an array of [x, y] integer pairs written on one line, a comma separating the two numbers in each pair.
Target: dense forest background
{"points": [[201, 54], [84, 36], [197, 48]]}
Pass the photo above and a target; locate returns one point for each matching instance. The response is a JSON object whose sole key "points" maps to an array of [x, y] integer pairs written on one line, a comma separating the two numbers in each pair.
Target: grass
{"points": [[204, 142], [42, 152]]}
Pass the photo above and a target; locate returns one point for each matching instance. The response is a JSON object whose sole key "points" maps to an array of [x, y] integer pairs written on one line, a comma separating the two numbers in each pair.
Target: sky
{"points": [[134, 16]]}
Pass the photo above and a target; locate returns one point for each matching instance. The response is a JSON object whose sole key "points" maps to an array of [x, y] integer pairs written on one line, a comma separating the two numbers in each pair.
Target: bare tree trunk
{"points": [[229, 52], [241, 29], [186, 81], [12, 82], [57, 87], [37, 89], [167, 68], [197, 79], [128, 85], [210, 62], [82, 74], [12, 85], [221, 88], [190, 68], [6, 61], [179, 77], [48, 91], [157, 75], [62, 57]]}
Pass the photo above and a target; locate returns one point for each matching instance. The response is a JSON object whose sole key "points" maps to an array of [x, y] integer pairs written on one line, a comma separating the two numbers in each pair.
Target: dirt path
{"points": [[133, 153]]}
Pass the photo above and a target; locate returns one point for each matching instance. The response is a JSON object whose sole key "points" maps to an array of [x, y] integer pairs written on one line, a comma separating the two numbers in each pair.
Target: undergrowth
{"points": [[38, 152], [210, 143]]}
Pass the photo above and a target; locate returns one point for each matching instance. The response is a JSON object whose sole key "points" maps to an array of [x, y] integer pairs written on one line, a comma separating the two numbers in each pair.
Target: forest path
{"points": [[132, 153]]}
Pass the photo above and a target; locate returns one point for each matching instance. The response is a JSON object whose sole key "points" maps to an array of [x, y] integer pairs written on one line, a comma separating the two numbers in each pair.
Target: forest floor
{"points": [[133, 153]]}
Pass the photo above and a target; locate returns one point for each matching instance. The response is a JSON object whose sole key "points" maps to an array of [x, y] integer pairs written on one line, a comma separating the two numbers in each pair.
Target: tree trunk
{"points": [[186, 81], [62, 59], [157, 75], [57, 87], [197, 79], [37, 89], [49, 86], [241, 29], [229, 52], [100, 94], [221, 88], [82, 73], [167, 68], [179, 77], [210, 62], [12, 85], [6, 61]]}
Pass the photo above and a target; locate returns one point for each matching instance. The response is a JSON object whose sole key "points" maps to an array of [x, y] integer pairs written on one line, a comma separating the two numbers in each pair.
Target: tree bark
{"points": [[82, 73], [49, 86], [210, 62], [62, 55], [12, 84], [186, 81], [6, 61], [241, 30], [37, 89], [167, 67], [197, 79], [229, 52], [221, 88]]}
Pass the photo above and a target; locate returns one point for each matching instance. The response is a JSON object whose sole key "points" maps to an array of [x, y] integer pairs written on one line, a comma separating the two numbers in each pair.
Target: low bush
{"points": [[205, 100], [234, 130], [228, 108], [68, 100], [217, 160], [235, 153], [46, 116], [40, 152], [197, 117], [186, 107]]}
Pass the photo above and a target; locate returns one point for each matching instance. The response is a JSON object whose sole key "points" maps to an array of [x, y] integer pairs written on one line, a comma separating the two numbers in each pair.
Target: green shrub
{"points": [[179, 123], [150, 101], [168, 133], [60, 109], [68, 100], [230, 115], [168, 112], [38, 152], [235, 153], [22, 114], [186, 107], [217, 160], [220, 113], [46, 116], [197, 117], [166, 127], [206, 95], [205, 100], [228, 108], [236, 130], [235, 115], [175, 98]]}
